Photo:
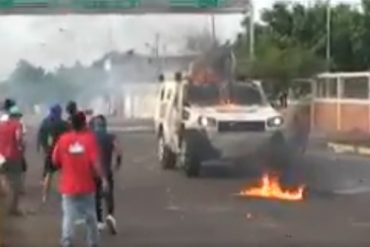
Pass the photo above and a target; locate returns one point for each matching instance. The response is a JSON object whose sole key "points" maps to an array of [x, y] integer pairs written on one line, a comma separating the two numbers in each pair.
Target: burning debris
{"points": [[271, 188]]}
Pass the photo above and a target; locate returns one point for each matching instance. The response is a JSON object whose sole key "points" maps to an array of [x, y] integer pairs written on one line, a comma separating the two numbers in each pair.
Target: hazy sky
{"points": [[49, 41]]}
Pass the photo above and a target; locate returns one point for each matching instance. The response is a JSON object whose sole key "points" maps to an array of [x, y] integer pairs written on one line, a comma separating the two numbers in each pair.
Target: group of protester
{"points": [[83, 155]]}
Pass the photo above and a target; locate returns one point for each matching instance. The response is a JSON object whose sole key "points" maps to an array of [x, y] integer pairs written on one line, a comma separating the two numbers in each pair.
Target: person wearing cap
{"points": [[19, 115], [76, 156], [8, 103], [12, 153]]}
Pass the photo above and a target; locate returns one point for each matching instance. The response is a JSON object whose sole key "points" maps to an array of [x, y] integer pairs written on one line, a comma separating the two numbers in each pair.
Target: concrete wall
{"points": [[325, 116], [345, 115], [354, 116]]}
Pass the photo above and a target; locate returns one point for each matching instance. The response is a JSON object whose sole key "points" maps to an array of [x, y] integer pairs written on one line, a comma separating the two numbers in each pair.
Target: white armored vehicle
{"points": [[195, 125]]}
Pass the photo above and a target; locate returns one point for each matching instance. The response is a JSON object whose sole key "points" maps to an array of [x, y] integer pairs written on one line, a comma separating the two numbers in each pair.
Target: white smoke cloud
{"points": [[50, 41]]}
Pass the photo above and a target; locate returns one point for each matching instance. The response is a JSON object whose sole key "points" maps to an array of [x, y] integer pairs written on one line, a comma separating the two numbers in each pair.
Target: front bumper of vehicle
{"points": [[231, 145]]}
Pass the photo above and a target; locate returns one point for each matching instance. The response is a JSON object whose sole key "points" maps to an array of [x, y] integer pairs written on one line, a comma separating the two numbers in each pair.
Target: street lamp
{"points": [[213, 23]]}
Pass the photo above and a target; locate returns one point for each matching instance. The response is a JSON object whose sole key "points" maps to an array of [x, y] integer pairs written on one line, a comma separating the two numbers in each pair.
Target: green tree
{"points": [[280, 55], [291, 41]]}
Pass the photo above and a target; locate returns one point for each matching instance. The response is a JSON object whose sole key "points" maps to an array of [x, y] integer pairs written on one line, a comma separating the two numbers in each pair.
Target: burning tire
{"points": [[189, 159], [166, 157]]}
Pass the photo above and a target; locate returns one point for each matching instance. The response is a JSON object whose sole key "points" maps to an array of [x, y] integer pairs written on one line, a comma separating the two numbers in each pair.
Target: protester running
{"points": [[11, 152], [108, 148], [76, 155], [52, 127]]}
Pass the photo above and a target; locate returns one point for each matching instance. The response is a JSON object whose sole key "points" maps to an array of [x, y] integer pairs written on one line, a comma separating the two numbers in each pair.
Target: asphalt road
{"points": [[163, 208]]}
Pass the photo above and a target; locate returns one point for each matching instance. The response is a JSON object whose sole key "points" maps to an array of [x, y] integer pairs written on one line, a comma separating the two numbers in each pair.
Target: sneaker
{"points": [[112, 225], [80, 221], [101, 226]]}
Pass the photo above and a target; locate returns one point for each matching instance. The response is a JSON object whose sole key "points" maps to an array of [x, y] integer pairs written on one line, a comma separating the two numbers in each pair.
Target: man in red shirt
{"points": [[11, 156], [76, 155]]}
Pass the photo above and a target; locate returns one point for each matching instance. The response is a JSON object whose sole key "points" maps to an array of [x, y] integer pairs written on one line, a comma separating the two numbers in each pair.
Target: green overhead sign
{"points": [[126, 6]]}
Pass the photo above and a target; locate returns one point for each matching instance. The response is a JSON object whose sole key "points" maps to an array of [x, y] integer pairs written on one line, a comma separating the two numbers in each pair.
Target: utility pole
{"points": [[328, 35], [213, 23], [156, 53], [251, 29]]}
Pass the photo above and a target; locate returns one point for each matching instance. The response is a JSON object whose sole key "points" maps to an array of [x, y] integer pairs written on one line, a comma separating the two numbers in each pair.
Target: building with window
{"points": [[341, 102]]}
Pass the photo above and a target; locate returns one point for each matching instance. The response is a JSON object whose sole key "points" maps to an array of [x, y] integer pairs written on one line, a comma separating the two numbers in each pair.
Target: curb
{"points": [[346, 148]]}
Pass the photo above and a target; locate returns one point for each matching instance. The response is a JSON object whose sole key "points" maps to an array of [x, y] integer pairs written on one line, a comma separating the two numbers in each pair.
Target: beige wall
{"points": [[354, 117], [325, 116], [344, 116]]}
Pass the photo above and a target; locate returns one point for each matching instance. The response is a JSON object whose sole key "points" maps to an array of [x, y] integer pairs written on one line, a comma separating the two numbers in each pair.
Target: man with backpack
{"points": [[108, 149]]}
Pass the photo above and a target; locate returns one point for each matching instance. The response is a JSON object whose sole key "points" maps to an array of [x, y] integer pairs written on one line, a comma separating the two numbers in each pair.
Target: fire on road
{"points": [[270, 187]]}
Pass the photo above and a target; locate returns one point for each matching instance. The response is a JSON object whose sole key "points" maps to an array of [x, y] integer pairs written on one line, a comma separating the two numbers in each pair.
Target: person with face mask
{"points": [[108, 149]]}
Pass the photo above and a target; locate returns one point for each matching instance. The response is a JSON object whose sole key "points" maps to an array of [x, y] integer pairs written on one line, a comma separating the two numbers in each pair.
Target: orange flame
{"points": [[226, 104], [270, 188]]}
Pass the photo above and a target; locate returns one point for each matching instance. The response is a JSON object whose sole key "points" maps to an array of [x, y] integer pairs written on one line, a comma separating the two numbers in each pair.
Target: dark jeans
{"points": [[24, 164], [299, 143], [108, 197], [48, 164]]}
